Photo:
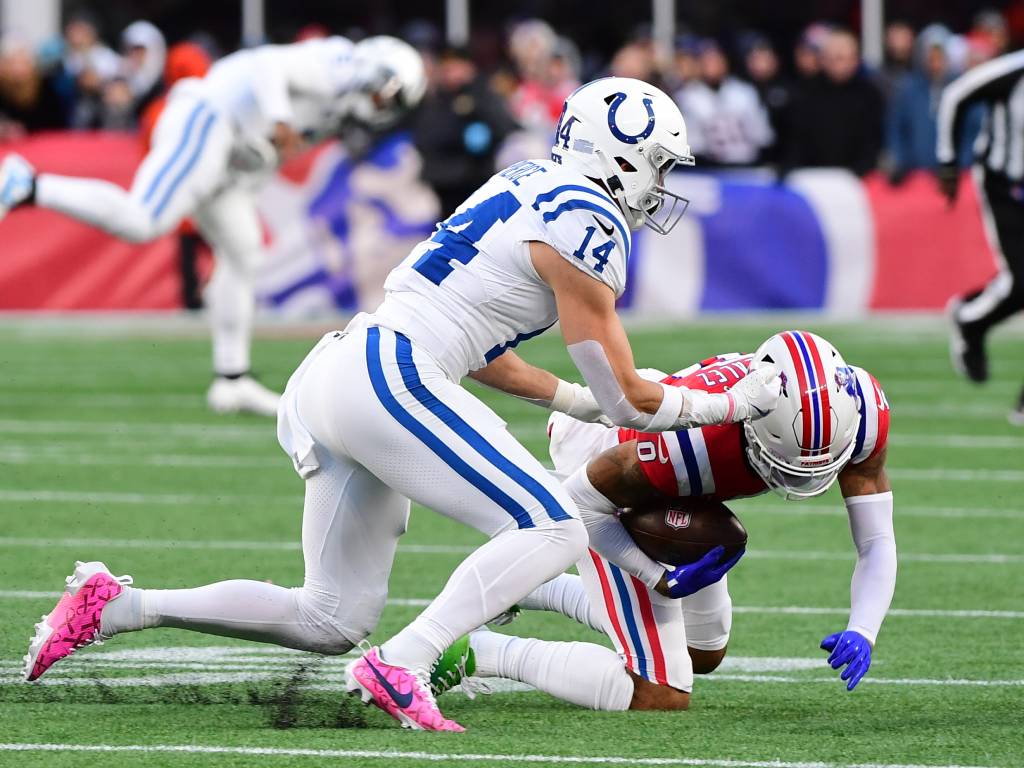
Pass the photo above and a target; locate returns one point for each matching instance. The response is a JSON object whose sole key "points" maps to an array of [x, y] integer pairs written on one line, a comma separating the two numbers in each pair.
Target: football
{"points": [[683, 530]]}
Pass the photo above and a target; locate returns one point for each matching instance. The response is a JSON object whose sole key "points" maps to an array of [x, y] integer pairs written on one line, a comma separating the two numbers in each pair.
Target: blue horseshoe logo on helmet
{"points": [[616, 101]]}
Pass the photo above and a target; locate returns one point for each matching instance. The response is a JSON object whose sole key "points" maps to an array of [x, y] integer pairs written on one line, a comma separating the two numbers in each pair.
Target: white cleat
{"points": [[242, 395], [17, 177]]}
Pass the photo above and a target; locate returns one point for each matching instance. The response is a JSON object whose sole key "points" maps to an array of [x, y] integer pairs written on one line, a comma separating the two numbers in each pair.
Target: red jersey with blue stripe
{"points": [[711, 461]]}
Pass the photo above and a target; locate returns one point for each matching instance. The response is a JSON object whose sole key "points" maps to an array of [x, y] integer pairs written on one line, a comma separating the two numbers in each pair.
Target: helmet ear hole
{"points": [[625, 165]]}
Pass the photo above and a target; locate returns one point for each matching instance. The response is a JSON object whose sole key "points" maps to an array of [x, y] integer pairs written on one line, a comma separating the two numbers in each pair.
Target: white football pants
{"points": [[371, 421], [184, 174]]}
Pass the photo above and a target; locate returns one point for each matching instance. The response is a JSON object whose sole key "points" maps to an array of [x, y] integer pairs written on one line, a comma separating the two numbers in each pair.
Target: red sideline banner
{"points": [[921, 251], [51, 262]]}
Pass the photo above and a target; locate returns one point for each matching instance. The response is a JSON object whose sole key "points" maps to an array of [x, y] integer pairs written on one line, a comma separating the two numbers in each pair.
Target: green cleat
{"points": [[453, 668]]}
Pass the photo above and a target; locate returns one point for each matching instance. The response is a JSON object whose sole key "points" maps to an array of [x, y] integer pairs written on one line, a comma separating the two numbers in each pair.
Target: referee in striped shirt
{"points": [[999, 175]]}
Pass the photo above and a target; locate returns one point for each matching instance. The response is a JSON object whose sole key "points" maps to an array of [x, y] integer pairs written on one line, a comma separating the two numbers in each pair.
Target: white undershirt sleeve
{"points": [[874, 577], [608, 537]]}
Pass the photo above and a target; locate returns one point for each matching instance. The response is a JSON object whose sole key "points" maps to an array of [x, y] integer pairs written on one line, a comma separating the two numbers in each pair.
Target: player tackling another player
{"points": [[375, 416], [831, 422], [217, 141]]}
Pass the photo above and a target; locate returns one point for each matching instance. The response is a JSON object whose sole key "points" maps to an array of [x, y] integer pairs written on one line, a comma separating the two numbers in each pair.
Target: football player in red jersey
{"points": [[832, 423]]}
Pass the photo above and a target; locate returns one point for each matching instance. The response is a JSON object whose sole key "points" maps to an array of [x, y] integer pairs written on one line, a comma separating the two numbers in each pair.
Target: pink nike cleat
{"points": [[402, 693], [75, 621]]}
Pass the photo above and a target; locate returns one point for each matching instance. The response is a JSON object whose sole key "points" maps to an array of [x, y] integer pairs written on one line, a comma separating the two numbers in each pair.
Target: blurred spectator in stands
{"points": [[774, 91], [634, 60], [685, 67], [29, 100], [899, 56], [991, 24], [145, 55], [182, 60], [726, 123], [807, 54], [537, 100], [910, 117], [837, 118], [90, 65], [458, 129]]}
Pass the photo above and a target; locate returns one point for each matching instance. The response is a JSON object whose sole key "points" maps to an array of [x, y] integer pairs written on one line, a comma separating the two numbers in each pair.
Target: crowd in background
{"points": [[746, 103]]}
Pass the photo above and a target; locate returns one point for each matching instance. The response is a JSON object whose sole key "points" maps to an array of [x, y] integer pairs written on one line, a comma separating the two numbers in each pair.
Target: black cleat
{"points": [[966, 347]]}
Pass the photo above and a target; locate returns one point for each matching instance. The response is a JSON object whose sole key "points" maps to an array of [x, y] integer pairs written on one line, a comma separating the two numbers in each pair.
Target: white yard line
{"points": [[118, 497], [767, 610], [457, 549], [805, 509]]}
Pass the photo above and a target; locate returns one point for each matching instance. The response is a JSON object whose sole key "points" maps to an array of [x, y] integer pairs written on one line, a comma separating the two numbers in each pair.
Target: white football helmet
{"points": [[389, 81], [629, 135], [800, 447]]}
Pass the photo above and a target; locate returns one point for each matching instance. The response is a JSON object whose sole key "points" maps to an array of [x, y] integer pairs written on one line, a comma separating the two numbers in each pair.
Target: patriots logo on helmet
{"points": [[847, 379], [677, 519]]}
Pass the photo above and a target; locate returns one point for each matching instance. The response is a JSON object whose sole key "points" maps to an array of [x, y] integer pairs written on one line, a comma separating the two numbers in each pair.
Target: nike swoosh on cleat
{"points": [[759, 411], [607, 230], [403, 700]]}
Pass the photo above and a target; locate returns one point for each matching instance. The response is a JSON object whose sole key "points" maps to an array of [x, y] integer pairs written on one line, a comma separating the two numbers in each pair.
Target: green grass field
{"points": [[107, 452]]}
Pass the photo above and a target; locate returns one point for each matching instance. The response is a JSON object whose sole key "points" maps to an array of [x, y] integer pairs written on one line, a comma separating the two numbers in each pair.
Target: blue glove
{"points": [[852, 650], [693, 577]]}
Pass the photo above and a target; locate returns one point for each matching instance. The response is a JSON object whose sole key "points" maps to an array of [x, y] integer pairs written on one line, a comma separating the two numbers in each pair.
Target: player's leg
{"points": [[649, 669], [188, 158], [351, 524], [585, 674], [974, 314], [565, 594], [431, 440], [707, 615], [230, 223]]}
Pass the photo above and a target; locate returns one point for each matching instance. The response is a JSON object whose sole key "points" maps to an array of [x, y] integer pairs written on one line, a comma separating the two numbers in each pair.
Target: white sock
{"points": [[101, 204], [564, 594], [249, 610], [585, 674], [491, 579], [231, 301]]}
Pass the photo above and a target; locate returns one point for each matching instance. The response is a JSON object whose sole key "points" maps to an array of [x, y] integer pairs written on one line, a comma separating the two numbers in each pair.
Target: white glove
{"points": [[578, 401], [755, 395]]}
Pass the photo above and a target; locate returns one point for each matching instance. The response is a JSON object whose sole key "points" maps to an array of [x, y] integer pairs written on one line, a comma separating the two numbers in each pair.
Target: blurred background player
{"points": [[832, 423], [999, 177], [217, 140]]}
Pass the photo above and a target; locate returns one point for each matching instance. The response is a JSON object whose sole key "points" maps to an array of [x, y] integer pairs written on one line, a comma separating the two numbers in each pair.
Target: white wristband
{"points": [[563, 398], [668, 412]]}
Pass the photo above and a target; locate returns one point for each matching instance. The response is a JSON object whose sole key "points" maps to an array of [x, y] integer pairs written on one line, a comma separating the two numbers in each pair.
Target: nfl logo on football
{"points": [[677, 518]]}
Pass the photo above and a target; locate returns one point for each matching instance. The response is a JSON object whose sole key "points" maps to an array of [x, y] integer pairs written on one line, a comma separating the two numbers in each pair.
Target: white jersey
{"points": [[470, 292], [294, 84]]}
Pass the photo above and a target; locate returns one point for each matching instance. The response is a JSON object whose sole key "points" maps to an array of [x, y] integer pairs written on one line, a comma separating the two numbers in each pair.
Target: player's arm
{"points": [[988, 80], [600, 349], [511, 374], [868, 496], [615, 480]]}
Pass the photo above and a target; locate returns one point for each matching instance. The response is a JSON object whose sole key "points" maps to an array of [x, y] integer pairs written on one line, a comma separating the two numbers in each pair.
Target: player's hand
{"points": [[948, 177], [582, 405], [693, 577], [756, 394], [852, 650]]}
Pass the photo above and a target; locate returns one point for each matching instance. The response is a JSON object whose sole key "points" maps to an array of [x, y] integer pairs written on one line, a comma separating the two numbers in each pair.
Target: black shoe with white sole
{"points": [[966, 347]]}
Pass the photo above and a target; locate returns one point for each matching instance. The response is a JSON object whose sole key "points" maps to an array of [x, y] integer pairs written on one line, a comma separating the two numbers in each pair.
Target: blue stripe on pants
{"points": [[403, 352], [432, 441], [690, 462], [185, 138], [196, 152], [627, 611]]}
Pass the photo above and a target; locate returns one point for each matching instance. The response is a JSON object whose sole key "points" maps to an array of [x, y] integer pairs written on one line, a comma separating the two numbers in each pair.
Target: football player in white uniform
{"points": [[217, 140], [375, 416]]}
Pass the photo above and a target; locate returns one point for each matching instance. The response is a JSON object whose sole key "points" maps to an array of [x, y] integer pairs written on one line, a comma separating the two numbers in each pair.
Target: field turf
{"points": [[107, 452]]}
